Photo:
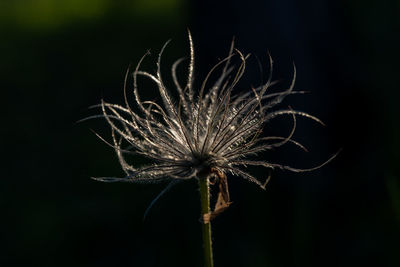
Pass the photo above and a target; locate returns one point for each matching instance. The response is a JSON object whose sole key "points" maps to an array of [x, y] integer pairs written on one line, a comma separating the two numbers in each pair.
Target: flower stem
{"points": [[205, 209]]}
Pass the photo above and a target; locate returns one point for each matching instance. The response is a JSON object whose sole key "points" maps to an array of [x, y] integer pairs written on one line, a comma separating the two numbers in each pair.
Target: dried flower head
{"points": [[212, 131]]}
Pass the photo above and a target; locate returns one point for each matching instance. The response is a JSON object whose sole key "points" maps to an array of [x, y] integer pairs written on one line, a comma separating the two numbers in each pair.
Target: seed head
{"points": [[214, 129]]}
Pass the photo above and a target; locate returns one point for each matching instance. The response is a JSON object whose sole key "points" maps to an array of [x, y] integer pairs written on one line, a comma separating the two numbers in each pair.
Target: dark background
{"points": [[59, 57]]}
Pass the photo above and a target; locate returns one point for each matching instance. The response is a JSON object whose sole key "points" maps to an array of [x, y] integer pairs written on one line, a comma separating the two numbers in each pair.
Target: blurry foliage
{"points": [[41, 15]]}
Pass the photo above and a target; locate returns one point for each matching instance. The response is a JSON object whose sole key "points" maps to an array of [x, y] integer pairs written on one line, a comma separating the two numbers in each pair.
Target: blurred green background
{"points": [[57, 57]]}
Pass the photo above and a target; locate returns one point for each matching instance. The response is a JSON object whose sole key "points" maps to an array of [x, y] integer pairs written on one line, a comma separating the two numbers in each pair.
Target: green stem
{"points": [[205, 208]]}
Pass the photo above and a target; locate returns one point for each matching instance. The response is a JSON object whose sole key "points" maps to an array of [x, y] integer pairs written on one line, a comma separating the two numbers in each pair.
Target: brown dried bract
{"points": [[223, 201]]}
